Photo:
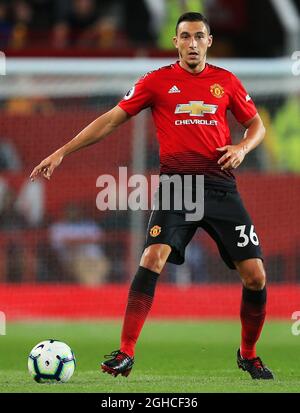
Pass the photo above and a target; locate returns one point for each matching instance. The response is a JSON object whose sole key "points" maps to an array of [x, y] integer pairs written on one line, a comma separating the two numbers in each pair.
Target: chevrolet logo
{"points": [[196, 108]]}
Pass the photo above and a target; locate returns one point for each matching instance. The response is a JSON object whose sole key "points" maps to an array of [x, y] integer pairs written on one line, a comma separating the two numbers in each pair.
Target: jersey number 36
{"points": [[246, 238]]}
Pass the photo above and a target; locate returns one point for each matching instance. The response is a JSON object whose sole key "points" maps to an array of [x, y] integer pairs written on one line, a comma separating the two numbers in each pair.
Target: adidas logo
{"points": [[174, 89]]}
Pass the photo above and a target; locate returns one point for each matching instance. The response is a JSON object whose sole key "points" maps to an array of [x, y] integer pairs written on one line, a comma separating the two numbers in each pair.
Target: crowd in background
{"points": [[69, 247], [117, 25]]}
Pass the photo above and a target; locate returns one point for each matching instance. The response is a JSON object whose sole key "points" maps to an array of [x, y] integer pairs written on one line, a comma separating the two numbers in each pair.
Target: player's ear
{"points": [[175, 42], [210, 40]]}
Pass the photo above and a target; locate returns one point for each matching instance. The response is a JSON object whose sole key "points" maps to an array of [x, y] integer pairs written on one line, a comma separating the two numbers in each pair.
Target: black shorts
{"points": [[225, 220]]}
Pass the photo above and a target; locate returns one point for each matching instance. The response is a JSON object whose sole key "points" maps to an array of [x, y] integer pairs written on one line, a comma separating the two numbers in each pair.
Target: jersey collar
{"points": [[180, 69]]}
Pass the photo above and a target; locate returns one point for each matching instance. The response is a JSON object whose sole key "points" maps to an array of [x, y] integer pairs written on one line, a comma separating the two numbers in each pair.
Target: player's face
{"points": [[192, 42]]}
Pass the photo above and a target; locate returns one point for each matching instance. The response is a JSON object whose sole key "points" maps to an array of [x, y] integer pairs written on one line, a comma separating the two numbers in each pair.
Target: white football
{"points": [[51, 361]]}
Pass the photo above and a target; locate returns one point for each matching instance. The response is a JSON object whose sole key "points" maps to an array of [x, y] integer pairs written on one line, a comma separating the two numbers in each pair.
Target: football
{"points": [[51, 361]]}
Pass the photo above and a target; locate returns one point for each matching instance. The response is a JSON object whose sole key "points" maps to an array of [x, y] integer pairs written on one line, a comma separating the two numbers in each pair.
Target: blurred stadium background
{"points": [[68, 61]]}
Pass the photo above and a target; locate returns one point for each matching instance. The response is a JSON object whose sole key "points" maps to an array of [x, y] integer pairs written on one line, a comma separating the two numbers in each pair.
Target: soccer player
{"points": [[189, 100]]}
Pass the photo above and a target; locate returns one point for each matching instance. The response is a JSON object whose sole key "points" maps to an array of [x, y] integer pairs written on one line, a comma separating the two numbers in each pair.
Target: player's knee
{"points": [[154, 257], [252, 273], [255, 280]]}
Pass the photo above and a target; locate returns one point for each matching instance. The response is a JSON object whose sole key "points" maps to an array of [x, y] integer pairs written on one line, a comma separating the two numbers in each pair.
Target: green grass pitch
{"points": [[171, 356]]}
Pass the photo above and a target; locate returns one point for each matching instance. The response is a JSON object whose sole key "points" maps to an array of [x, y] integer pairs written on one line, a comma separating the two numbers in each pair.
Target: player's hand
{"points": [[47, 166], [233, 156]]}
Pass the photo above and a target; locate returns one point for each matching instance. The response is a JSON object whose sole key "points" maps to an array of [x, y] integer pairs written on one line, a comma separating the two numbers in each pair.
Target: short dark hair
{"points": [[193, 17]]}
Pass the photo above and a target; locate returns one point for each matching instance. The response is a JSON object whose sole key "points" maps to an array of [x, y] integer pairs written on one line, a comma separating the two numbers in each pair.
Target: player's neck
{"points": [[197, 69]]}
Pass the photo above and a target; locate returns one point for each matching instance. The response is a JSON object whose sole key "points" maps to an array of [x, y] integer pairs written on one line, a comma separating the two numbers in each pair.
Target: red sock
{"points": [[140, 299], [253, 312]]}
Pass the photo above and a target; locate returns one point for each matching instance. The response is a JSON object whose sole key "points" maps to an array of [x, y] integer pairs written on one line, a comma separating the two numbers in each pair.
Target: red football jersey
{"points": [[189, 112]]}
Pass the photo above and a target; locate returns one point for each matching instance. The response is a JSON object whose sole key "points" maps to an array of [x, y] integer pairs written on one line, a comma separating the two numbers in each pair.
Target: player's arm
{"points": [[235, 154], [94, 132], [254, 134]]}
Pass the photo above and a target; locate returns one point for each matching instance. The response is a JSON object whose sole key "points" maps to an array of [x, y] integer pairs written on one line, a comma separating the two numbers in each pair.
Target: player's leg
{"points": [[252, 314], [141, 294], [167, 236], [229, 224], [253, 304], [140, 298]]}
